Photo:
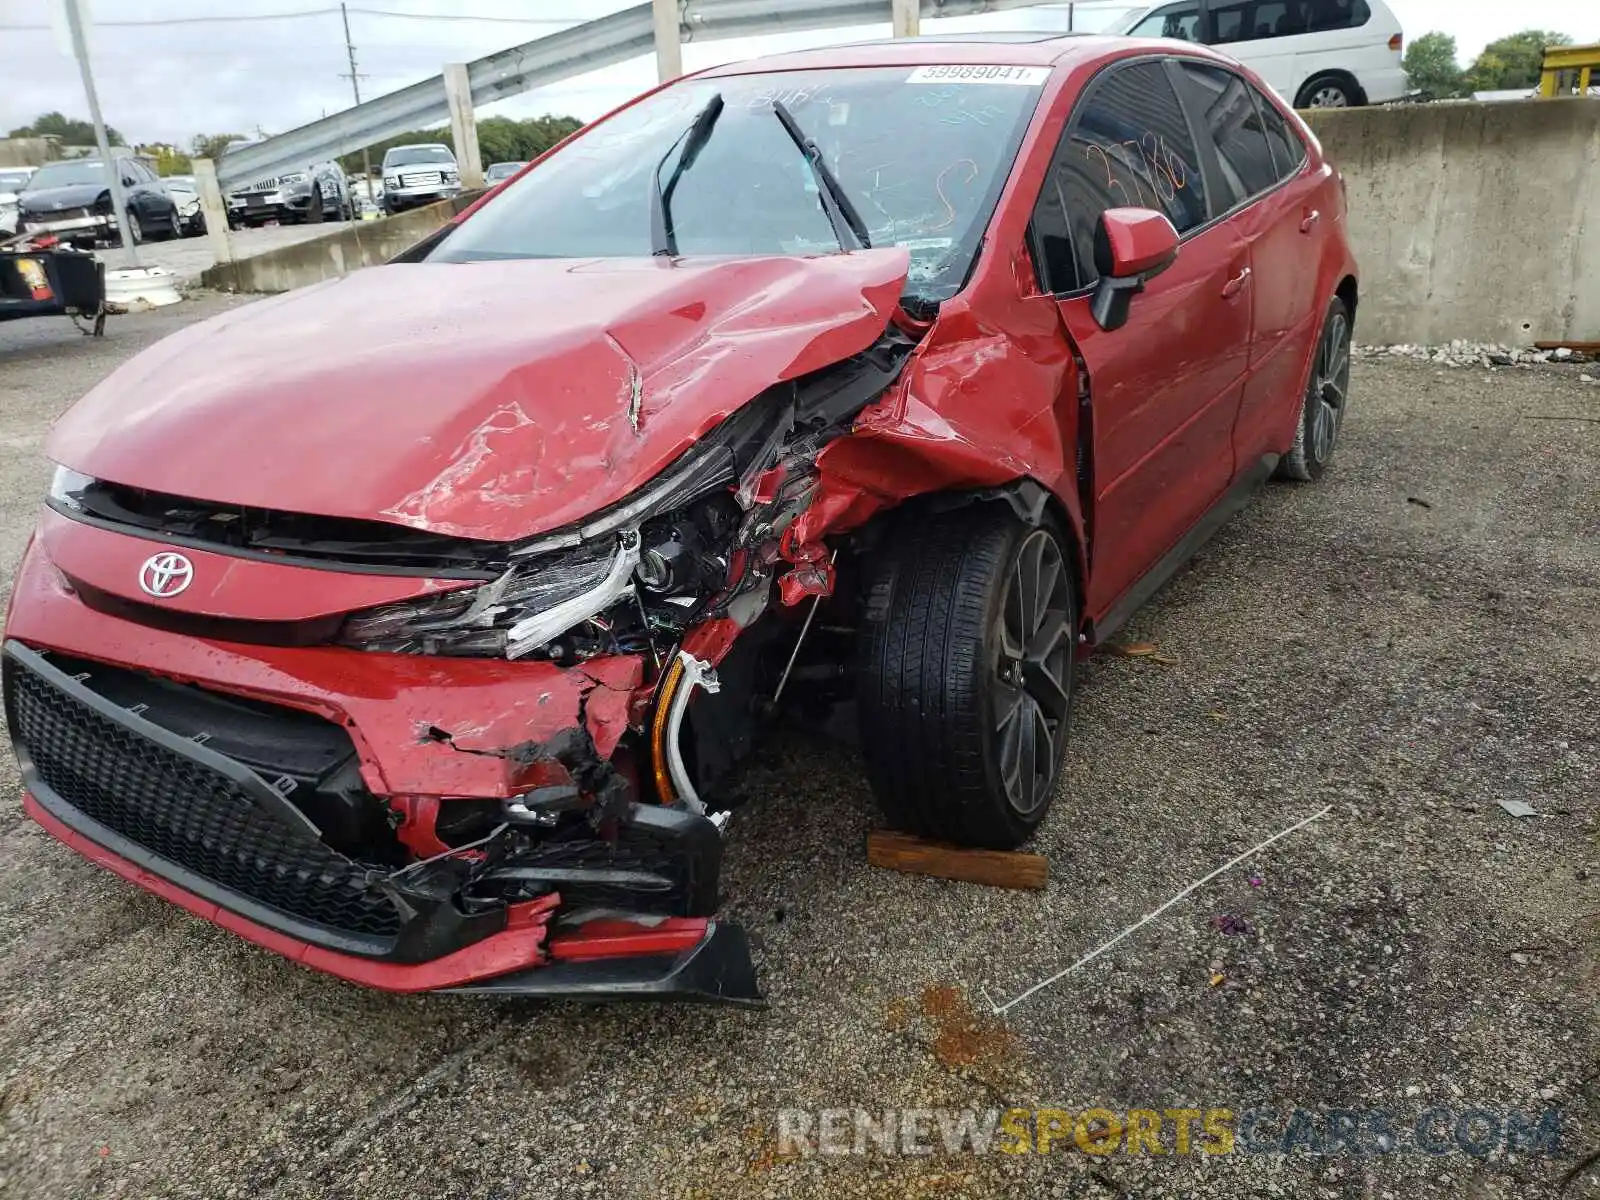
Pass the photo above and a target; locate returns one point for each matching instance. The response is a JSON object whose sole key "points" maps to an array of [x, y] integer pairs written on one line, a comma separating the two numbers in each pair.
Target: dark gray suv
{"points": [[317, 192]]}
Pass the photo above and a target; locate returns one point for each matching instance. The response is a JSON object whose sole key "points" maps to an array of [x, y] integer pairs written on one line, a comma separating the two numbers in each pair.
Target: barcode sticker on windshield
{"points": [[980, 73]]}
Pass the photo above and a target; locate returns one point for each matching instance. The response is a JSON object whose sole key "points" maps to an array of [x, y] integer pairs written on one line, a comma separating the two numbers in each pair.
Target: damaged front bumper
{"points": [[328, 804]]}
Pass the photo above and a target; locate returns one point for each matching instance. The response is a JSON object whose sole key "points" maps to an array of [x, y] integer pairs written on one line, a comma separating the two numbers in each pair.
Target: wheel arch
{"points": [[1348, 291], [1031, 501]]}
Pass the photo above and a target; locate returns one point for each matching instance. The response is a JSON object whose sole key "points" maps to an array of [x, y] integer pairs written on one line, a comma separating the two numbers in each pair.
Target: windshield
{"points": [[65, 174], [10, 181], [410, 155], [920, 152], [504, 170]]}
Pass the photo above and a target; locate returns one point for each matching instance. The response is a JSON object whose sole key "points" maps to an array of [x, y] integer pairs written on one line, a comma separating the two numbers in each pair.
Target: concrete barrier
{"points": [[348, 248], [1475, 221]]}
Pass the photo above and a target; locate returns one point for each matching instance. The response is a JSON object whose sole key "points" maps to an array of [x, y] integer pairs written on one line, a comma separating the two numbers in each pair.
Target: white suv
{"points": [[1315, 53], [418, 174]]}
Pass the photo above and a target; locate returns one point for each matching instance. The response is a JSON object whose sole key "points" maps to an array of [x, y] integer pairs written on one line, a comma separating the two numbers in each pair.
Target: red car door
{"points": [[1164, 388], [1276, 209]]}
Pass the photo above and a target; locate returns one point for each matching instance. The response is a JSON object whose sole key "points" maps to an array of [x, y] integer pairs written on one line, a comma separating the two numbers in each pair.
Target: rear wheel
{"points": [[966, 675], [1329, 91], [1322, 407]]}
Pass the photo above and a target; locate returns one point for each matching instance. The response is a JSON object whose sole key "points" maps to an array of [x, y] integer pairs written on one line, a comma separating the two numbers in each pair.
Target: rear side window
{"points": [[1180, 21], [1256, 20], [1127, 146], [1323, 16], [1230, 115], [1253, 20], [1288, 151]]}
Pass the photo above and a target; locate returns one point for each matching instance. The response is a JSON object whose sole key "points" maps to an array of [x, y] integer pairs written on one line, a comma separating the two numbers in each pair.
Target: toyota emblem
{"points": [[166, 574]]}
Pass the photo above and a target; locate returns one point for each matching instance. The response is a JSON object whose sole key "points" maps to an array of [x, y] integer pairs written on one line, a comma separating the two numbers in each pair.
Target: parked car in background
{"points": [[418, 174], [412, 625], [71, 198], [185, 193], [1314, 53], [501, 171], [12, 181], [316, 192]]}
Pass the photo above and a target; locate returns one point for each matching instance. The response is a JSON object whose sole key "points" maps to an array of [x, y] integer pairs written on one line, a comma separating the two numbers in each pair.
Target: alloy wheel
{"points": [[134, 230], [1033, 672], [1330, 384], [1329, 96]]}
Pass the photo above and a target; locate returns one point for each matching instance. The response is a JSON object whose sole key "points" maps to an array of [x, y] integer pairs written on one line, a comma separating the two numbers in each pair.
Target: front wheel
{"points": [[135, 230], [1323, 405], [966, 674]]}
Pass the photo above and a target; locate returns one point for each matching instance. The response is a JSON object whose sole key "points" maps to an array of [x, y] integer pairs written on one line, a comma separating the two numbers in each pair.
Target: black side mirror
{"points": [[1131, 245]]}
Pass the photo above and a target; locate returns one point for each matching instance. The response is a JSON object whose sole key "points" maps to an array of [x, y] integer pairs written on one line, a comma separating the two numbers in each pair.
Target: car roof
{"points": [[420, 146], [1024, 49]]}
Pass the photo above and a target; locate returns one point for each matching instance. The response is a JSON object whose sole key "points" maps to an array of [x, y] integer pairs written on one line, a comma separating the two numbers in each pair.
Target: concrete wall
{"points": [[1476, 221], [348, 248], [24, 152]]}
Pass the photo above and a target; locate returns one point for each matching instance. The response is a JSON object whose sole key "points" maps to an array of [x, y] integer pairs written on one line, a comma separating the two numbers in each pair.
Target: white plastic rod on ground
{"points": [[1151, 916]]}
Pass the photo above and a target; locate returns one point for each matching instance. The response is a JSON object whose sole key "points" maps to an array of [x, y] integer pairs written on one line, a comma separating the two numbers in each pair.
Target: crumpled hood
{"points": [[489, 400], [72, 195]]}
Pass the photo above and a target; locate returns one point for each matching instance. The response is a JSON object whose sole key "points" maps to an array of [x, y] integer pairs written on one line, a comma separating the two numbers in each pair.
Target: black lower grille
{"points": [[162, 793]]}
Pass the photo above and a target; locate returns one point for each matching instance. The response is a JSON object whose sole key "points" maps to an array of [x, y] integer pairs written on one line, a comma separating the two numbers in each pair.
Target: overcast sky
{"points": [[169, 82]]}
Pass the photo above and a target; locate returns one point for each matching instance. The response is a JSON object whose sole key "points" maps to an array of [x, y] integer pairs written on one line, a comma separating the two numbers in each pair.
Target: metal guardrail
{"points": [[552, 58], [1582, 59]]}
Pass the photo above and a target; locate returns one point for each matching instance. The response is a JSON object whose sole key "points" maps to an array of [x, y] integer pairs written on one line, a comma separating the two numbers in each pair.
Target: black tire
{"points": [[1329, 91], [172, 228], [1323, 403], [135, 229], [946, 706], [314, 210]]}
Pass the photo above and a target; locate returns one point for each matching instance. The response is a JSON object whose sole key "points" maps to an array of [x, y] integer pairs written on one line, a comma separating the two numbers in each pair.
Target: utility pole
{"points": [[80, 50], [355, 87]]}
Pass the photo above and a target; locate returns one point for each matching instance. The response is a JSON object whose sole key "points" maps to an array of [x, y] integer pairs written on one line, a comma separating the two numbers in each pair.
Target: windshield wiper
{"points": [[842, 214], [663, 238]]}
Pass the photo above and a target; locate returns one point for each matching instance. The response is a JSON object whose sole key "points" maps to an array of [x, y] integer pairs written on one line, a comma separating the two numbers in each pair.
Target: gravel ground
{"points": [[1410, 641]]}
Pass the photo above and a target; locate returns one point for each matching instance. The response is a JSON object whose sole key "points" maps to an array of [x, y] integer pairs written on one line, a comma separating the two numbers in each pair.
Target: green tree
{"points": [[172, 161], [211, 145], [1430, 65], [1512, 63], [70, 130]]}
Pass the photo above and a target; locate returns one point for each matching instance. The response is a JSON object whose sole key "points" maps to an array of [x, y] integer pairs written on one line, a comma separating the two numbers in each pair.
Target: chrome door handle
{"points": [[1235, 285], [1311, 218]]}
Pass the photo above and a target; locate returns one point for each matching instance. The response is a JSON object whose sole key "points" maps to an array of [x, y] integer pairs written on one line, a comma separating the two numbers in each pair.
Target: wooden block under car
{"points": [[992, 868]]}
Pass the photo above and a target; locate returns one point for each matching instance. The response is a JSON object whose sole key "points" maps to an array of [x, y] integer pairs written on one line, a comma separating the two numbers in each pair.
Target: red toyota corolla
{"points": [[408, 624]]}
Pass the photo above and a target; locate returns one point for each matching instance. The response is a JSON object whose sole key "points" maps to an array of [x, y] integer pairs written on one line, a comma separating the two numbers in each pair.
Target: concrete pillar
{"points": [[669, 39], [213, 210], [907, 18], [463, 125]]}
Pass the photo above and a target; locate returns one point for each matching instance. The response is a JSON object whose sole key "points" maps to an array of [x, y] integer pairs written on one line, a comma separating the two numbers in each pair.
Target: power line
{"points": [[411, 16], [213, 20], [315, 12]]}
